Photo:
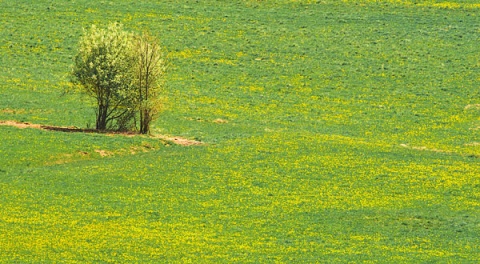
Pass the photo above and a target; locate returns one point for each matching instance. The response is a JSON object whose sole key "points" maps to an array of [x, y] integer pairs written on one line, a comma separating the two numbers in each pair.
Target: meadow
{"points": [[333, 131]]}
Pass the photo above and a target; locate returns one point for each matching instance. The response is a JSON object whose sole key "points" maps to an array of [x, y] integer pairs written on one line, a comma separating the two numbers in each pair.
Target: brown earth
{"points": [[173, 139]]}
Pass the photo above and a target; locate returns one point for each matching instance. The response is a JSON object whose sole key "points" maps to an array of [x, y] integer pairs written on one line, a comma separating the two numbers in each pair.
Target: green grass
{"points": [[352, 135]]}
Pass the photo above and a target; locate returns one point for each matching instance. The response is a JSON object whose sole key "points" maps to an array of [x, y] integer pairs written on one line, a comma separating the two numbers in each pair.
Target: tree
{"points": [[149, 71], [124, 73], [103, 69]]}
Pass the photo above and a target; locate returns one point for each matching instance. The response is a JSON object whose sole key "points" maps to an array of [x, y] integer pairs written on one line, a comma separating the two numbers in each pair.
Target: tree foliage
{"points": [[149, 71], [124, 73]]}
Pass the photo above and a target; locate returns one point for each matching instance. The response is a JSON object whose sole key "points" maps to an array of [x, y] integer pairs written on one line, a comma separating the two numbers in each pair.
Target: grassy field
{"points": [[334, 131]]}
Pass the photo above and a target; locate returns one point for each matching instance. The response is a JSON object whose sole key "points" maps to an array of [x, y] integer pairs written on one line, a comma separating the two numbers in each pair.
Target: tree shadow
{"points": [[85, 130]]}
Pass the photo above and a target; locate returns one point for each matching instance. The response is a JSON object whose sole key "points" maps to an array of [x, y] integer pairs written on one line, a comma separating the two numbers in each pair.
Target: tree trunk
{"points": [[145, 121], [101, 123]]}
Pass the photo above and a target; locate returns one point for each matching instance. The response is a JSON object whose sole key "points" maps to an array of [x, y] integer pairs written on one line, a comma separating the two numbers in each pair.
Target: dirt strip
{"points": [[173, 139]]}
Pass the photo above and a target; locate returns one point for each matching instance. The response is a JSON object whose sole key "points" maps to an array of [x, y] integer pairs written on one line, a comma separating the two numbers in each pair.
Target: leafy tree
{"points": [[149, 71], [124, 73]]}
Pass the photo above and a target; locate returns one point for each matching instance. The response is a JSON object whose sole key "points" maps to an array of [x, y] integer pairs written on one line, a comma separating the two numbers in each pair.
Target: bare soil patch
{"points": [[12, 111], [472, 106], [173, 139], [103, 153], [425, 149], [220, 121], [20, 124], [180, 140]]}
